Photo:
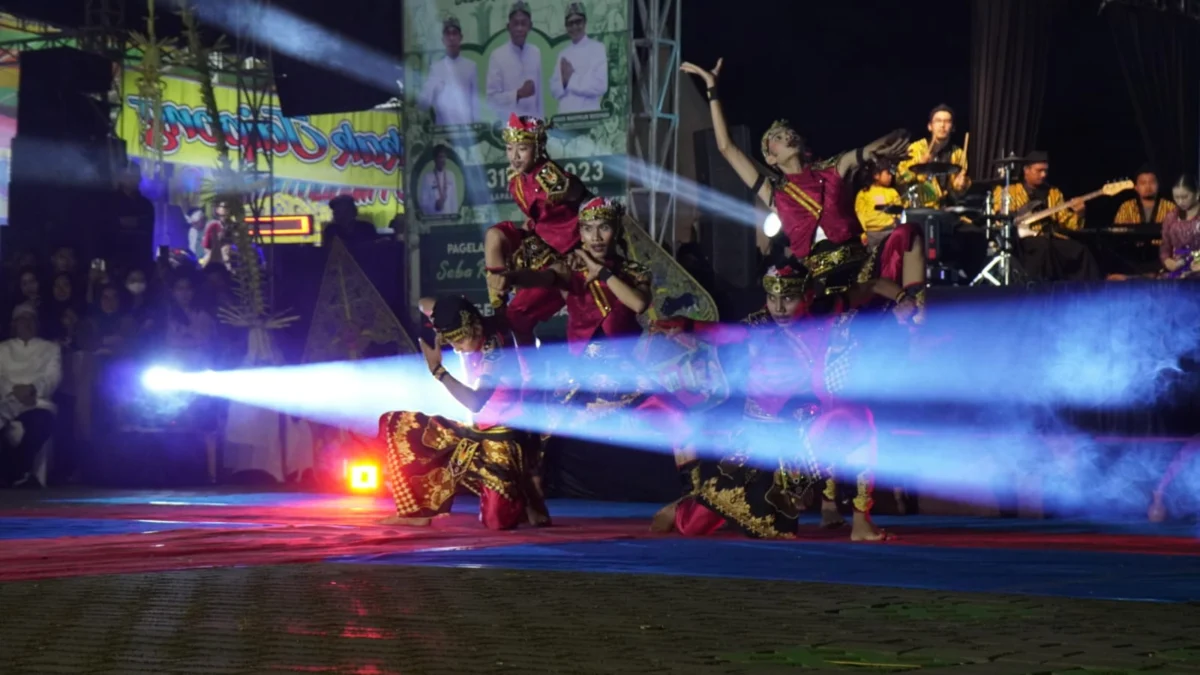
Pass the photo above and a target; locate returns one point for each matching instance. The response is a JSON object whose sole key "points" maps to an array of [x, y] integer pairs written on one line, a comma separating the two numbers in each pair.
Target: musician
{"points": [[1181, 232], [878, 224], [1049, 258], [931, 190], [1148, 207]]}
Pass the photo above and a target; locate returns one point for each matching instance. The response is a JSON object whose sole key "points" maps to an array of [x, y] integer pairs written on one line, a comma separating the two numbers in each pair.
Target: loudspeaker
{"points": [[64, 94], [728, 243], [359, 64]]}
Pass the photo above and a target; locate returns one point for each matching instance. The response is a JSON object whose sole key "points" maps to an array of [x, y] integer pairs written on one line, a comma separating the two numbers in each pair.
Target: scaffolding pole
{"points": [[654, 133]]}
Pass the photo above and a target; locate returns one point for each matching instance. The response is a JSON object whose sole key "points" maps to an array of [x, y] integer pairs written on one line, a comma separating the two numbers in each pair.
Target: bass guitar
{"points": [[1113, 189]]}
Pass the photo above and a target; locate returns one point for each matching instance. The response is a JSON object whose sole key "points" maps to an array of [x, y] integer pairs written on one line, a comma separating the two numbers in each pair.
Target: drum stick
{"points": [[966, 146]]}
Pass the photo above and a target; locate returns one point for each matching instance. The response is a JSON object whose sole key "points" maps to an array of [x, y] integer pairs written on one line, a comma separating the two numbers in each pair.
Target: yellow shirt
{"points": [[1131, 212], [1066, 219], [930, 190], [864, 205]]}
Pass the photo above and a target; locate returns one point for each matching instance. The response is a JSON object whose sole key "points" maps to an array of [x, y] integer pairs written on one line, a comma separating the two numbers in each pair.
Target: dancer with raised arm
{"points": [[814, 200]]}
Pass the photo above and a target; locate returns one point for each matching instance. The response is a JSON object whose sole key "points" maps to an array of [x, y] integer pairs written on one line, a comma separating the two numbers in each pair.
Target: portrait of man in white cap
{"points": [[514, 78], [452, 88], [580, 76]]}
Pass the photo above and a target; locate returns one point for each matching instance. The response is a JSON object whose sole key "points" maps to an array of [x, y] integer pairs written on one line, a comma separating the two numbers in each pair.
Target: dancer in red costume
{"points": [[429, 457], [604, 293], [550, 199], [799, 349], [814, 201]]}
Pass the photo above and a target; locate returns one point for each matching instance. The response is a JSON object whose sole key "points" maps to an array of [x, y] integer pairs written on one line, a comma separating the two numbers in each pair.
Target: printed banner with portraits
{"points": [[469, 64]]}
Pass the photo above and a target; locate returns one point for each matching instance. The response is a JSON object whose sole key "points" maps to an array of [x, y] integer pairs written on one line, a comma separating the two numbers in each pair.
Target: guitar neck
{"points": [[1066, 204]]}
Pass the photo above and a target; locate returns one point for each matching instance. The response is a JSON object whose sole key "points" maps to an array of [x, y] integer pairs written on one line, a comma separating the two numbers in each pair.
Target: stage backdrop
{"points": [[316, 157], [455, 107]]}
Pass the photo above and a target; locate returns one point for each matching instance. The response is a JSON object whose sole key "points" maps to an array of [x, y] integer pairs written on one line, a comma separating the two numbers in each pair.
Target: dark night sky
{"points": [[882, 65]]}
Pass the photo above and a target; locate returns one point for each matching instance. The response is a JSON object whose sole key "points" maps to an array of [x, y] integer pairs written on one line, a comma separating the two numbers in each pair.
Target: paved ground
{"points": [[368, 619]]}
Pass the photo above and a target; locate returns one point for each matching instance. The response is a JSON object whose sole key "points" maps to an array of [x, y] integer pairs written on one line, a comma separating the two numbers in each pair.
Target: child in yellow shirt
{"points": [[877, 224]]}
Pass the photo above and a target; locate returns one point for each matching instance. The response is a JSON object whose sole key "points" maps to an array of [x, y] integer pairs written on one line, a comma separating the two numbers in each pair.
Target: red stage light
{"points": [[363, 477]]}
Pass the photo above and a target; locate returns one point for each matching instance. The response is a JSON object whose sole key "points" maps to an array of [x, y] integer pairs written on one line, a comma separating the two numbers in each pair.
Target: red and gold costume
{"points": [[795, 371], [550, 199], [429, 457], [819, 198], [604, 330]]}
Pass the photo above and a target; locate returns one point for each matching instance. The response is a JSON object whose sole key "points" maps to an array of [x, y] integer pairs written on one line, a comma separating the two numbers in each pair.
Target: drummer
{"points": [[936, 167], [871, 204]]}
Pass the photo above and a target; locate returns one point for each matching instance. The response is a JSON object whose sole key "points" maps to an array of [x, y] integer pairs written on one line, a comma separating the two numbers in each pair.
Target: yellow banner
{"points": [[316, 157]]}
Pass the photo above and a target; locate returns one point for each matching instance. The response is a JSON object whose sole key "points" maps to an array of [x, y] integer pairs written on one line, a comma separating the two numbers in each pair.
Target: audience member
{"points": [[30, 371]]}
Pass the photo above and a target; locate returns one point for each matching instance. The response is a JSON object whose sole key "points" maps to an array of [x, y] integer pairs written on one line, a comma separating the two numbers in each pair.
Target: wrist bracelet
{"points": [[439, 372], [711, 92], [604, 274], [496, 270], [901, 296]]}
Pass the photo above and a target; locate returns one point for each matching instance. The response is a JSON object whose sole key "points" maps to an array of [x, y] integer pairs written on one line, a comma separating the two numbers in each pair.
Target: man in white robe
{"points": [[439, 192], [30, 371], [580, 78], [514, 79], [452, 87]]}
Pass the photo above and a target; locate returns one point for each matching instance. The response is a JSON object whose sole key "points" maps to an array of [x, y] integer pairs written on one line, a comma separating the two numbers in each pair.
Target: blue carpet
{"points": [[46, 528], [1076, 574]]}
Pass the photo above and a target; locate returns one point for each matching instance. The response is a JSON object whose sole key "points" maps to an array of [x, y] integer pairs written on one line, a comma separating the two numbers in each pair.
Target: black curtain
{"points": [[1159, 54], [1010, 48]]}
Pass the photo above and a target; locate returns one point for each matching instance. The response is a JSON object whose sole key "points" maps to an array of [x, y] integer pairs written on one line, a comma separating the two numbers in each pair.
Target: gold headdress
{"points": [[526, 130], [455, 318], [603, 209], [787, 280]]}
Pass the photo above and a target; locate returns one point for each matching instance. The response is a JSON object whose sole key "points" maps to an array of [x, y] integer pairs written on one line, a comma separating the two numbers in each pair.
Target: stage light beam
{"points": [[772, 224], [363, 477], [160, 379]]}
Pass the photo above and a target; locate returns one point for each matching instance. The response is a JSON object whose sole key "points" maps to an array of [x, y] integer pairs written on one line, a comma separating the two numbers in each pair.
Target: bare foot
{"points": [[537, 517], [830, 518], [1157, 512], [406, 522], [664, 520], [864, 530]]}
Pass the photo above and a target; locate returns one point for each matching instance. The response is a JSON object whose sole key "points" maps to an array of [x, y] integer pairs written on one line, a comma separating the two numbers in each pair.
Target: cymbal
{"points": [[1010, 159], [935, 169]]}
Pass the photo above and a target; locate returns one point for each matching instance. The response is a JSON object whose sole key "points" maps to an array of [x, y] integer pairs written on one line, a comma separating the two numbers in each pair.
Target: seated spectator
{"points": [[30, 371], [190, 330], [108, 322], [139, 305]]}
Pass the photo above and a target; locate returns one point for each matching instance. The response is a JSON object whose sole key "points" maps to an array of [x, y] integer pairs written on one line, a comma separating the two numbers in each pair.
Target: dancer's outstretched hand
{"points": [[709, 76]]}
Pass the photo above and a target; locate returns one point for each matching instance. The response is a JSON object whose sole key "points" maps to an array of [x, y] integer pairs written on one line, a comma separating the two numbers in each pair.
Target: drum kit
{"points": [[976, 212]]}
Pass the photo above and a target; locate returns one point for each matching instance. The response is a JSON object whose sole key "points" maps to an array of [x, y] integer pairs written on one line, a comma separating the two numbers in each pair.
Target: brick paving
{"points": [[396, 620]]}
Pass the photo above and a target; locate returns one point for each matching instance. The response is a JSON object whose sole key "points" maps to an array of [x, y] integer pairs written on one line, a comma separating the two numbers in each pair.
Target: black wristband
{"points": [[711, 93], [758, 184], [604, 274]]}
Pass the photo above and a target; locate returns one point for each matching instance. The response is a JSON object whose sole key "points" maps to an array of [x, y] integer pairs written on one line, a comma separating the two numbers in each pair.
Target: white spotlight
{"points": [[772, 224], [160, 379]]}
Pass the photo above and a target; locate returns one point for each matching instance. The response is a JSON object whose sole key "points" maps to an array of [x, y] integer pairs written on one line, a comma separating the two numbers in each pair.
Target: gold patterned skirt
{"points": [[428, 458]]}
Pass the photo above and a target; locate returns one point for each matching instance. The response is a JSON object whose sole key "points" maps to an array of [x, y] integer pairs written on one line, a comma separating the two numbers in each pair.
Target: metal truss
{"points": [[255, 117], [654, 132]]}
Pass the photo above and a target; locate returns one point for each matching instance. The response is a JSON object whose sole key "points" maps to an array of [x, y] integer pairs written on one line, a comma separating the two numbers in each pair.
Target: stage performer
{"points": [[814, 201], [605, 292], [931, 191], [428, 458], [550, 199], [798, 347]]}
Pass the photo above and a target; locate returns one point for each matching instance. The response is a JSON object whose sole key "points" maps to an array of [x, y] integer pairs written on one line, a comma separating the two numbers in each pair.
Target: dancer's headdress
{"points": [[604, 209], [455, 318], [789, 279], [526, 129]]}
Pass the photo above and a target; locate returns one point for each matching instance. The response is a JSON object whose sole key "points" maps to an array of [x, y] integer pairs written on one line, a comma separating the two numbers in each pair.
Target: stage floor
{"points": [[259, 582]]}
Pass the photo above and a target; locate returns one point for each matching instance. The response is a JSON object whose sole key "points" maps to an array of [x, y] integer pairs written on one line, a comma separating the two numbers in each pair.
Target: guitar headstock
{"points": [[1116, 187]]}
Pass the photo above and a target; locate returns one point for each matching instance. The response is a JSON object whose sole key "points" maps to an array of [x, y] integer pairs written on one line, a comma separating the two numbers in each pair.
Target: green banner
{"points": [[469, 64]]}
